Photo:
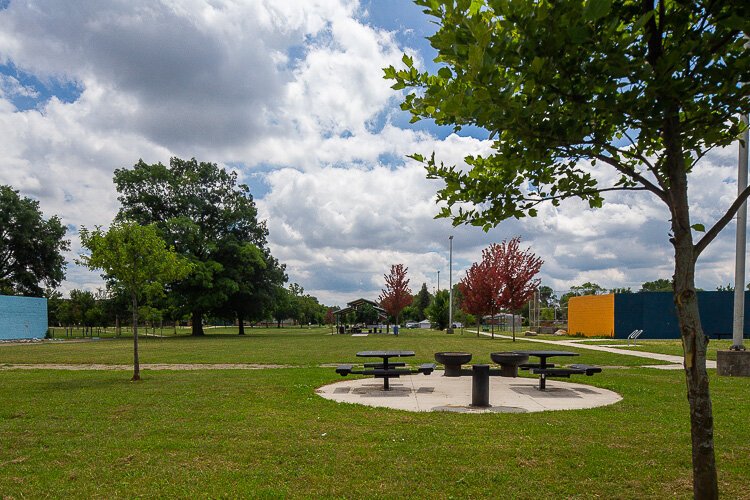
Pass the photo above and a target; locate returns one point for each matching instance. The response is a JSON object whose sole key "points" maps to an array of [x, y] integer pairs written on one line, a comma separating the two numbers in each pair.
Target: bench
{"points": [[577, 369], [528, 366], [380, 365], [426, 368], [344, 370], [587, 369], [394, 370]]}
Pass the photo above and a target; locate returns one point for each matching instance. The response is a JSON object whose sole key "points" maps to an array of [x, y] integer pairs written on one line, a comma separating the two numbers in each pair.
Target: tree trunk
{"points": [[136, 363], [197, 324], [241, 321], [694, 342]]}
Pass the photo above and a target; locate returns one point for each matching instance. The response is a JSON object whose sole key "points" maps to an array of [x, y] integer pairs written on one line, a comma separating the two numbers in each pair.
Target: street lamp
{"points": [[438, 281], [450, 284], [739, 264]]}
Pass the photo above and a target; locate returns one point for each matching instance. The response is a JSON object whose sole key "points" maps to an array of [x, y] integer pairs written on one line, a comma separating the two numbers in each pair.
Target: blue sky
{"points": [[291, 96]]}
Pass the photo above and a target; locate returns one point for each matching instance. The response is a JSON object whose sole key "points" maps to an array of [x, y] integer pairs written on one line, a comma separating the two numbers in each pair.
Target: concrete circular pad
{"points": [[438, 393]]}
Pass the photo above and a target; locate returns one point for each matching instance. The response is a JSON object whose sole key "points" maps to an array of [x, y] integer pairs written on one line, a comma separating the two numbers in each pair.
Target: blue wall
{"points": [[654, 313], [22, 317]]}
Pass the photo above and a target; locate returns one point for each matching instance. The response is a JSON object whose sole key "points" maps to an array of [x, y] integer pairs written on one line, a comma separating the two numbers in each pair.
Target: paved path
{"points": [[676, 361]]}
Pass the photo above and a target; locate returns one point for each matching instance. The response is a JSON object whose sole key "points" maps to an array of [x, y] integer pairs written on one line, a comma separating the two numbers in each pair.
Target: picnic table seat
{"points": [[529, 366], [588, 369], [344, 370], [426, 368], [377, 369], [381, 365]]}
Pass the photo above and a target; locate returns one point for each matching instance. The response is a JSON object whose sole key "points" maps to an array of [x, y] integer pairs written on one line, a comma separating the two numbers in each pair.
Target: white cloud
{"points": [[293, 92]]}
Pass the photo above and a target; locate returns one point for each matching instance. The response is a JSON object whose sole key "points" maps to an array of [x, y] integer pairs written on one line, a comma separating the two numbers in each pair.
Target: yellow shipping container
{"points": [[592, 315]]}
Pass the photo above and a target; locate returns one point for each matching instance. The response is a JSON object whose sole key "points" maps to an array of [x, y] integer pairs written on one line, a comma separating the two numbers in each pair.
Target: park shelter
{"points": [[22, 317], [425, 323], [354, 306], [617, 315]]}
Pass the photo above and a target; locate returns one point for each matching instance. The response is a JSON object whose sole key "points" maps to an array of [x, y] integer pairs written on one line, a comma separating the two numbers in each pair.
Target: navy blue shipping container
{"points": [[655, 314]]}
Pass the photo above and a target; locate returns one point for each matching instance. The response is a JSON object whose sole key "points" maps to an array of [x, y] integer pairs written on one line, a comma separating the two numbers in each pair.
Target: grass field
{"points": [[264, 433]]}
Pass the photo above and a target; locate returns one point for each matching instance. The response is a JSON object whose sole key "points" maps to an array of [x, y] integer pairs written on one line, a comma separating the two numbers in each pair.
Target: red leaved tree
{"points": [[480, 290], [397, 294], [516, 270]]}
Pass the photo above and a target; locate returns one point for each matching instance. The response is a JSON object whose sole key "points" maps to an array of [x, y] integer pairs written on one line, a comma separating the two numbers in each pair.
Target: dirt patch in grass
{"points": [[144, 366]]}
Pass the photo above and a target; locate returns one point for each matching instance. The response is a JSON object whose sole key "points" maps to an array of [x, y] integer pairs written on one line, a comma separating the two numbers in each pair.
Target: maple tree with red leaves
{"points": [[480, 289], [504, 279], [396, 294], [516, 269]]}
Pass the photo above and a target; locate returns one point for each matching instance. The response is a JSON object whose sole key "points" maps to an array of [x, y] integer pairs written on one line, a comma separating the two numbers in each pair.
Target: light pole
{"points": [[450, 284], [438, 281], [739, 267]]}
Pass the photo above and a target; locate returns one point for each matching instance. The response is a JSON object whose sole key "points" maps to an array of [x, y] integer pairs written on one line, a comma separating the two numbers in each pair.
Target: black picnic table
{"points": [[385, 369], [542, 368]]}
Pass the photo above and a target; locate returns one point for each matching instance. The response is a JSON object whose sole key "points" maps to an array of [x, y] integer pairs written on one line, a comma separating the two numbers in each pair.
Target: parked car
{"points": [[412, 324]]}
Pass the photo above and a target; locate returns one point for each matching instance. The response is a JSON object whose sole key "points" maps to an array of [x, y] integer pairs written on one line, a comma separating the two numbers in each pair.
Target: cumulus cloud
{"points": [[291, 95]]}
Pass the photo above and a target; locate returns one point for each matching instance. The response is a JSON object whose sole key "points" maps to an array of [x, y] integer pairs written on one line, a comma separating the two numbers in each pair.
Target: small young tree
{"points": [[437, 311], [516, 270], [422, 301], [396, 294], [138, 260]]}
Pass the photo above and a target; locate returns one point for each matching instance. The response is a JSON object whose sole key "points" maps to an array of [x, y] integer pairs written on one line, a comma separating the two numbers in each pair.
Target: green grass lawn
{"points": [[264, 433], [293, 346], [671, 346]]}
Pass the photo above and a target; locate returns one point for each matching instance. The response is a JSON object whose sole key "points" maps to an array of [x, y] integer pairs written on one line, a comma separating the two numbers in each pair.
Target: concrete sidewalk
{"points": [[676, 362]]}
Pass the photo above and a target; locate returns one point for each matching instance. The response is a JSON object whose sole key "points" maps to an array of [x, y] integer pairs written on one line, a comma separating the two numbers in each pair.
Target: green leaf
{"points": [[699, 227], [445, 73], [408, 61], [476, 5], [596, 9]]}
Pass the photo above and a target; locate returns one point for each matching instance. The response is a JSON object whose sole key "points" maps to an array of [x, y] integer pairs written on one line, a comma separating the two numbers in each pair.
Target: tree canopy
{"points": [[210, 219], [421, 302], [659, 285], [643, 88], [517, 270], [396, 295], [437, 311], [30, 246]]}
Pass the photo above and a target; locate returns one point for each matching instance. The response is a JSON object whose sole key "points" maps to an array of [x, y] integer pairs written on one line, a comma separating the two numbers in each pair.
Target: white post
{"points": [[738, 325], [450, 284]]}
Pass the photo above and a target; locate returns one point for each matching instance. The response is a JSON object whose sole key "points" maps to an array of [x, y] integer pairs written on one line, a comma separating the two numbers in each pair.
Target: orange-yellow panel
{"points": [[592, 315]]}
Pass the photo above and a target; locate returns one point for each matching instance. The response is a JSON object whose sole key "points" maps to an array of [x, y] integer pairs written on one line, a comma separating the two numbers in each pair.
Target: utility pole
{"points": [[738, 325]]}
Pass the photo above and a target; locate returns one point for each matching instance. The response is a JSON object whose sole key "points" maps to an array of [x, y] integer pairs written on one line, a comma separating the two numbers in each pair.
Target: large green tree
{"points": [[658, 285], [30, 246], [252, 280], [138, 259], [642, 87], [209, 218]]}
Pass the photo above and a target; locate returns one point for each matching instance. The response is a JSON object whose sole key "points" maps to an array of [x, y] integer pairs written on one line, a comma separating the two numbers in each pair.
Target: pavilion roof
{"points": [[356, 304]]}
